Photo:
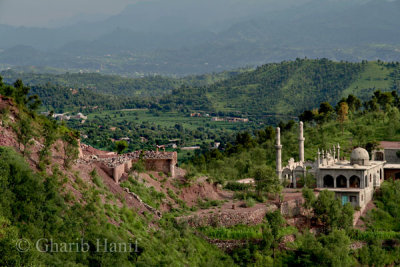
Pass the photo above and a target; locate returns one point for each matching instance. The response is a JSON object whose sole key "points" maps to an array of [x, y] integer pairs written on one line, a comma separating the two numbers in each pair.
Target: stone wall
{"points": [[160, 165], [292, 208], [228, 218]]}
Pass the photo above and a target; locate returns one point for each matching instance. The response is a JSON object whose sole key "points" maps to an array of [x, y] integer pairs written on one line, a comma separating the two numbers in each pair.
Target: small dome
{"points": [[359, 156]]}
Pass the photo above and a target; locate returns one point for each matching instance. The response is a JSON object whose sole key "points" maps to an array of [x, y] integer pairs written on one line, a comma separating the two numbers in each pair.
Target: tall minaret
{"points": [[338, 151], [301, 142], [278, 147]]}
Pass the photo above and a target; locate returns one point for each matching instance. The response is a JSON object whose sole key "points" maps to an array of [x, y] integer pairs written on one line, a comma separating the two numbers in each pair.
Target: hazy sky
{"points": [[41, 12]]}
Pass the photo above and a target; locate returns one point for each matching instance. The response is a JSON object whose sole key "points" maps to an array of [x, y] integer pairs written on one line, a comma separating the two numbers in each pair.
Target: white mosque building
{"points": [[352, 181]]}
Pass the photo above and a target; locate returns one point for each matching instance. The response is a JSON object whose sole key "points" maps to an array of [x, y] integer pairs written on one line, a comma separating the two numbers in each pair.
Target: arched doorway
{"points": [[287, 174], [328, 181], [379, 156], [341, 182], [355, 182]]}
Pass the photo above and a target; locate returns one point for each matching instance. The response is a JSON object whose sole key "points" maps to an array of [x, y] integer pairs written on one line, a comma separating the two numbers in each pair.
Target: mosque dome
{"points": [[359, 156]]}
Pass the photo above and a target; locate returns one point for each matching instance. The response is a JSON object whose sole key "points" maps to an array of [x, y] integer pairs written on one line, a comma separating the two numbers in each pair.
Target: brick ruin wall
{"points": [[118, 169]]}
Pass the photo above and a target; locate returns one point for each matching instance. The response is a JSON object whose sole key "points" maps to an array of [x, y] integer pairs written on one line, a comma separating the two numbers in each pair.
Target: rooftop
{"points": [[389, 145], [345, 164]]}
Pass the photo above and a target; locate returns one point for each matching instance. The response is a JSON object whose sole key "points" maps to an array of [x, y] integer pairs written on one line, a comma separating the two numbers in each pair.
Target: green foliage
{"points": [[148, 195], [297, 84], [330, 212], [234, 186], [70, 144], [206, 204], [387, 215], [249, 202], [121, 146], [243, 232], [24, 132], [96, 178], [50, 134], [266, 180], [139, 166], [328, 250]]}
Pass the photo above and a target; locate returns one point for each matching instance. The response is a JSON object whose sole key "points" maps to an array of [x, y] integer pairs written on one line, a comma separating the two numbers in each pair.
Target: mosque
{"points": [[352, 181]]}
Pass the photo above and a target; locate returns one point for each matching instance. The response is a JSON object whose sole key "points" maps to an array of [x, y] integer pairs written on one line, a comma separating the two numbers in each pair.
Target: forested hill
{"points": [[286, 88], [289, 87], [104, 84], [115, 85]]}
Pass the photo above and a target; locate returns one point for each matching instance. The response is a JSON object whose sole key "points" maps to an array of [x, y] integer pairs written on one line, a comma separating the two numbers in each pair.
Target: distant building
{"points": [[230, 119], [237, 120], [216, 144], [217, 119], [190, 148], [195, 115], [61, 117], [389, 152], [79, 116]]}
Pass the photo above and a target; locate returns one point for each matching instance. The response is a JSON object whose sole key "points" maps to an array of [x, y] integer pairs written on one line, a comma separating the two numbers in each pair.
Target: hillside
{"points": [[53, 193], [289, 87], [285, 88]]}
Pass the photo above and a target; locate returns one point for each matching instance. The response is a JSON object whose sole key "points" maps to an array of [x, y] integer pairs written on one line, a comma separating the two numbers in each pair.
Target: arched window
{"points": [[354, 182], [341, 182], [380, 176], [370, 178], [366, 181], [328, 181]]}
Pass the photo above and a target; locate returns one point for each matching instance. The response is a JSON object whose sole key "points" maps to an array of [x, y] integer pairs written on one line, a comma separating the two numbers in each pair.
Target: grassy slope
{"points": [[291, 87], [373, 77]]}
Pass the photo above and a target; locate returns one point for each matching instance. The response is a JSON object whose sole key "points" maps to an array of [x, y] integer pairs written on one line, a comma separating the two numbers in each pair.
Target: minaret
{"points": [[301, 142], [319, 158], [278, 147], [338, 152]]}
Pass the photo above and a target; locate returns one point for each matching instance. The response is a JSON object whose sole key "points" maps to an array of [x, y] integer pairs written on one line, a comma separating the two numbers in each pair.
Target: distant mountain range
{"points": [[190, 37]]}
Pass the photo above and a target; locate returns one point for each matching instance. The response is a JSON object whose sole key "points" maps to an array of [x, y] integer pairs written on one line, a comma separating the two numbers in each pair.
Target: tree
{"points": [[330, 212], [266, 180], [342, 113], [121, 146], [328, 250], [49, 132], [327, 209], [71, 152], [309, 200], [307, 116], [276, 222], [325, 111], [354, 103], [24, 131], [21, 92]]}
